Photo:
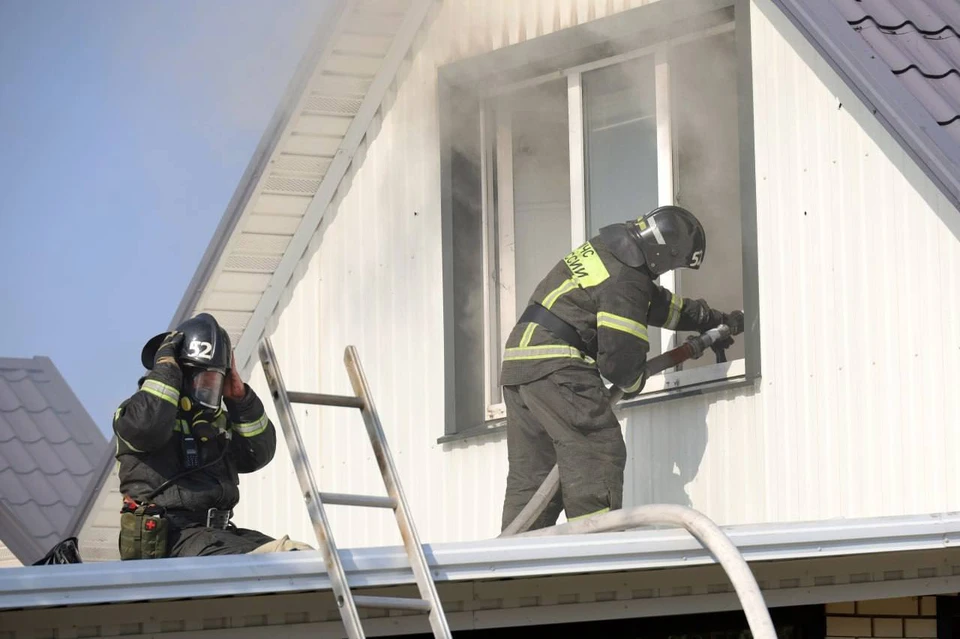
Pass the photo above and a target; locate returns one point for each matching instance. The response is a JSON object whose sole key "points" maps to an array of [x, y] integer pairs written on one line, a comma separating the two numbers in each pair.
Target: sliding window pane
{"points": [[621, 142]]}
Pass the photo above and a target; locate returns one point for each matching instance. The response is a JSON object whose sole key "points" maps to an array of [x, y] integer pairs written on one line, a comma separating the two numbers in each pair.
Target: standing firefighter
{"points": [[180, 454], [587, 318]]}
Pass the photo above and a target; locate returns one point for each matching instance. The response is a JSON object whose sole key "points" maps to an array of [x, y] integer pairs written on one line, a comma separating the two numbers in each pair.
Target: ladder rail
{"points": [[311, 494], [391, 479]]}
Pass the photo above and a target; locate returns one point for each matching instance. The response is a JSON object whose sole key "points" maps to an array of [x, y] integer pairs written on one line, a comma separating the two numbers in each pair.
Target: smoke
{"points": [[180, 55], [621, 154]]}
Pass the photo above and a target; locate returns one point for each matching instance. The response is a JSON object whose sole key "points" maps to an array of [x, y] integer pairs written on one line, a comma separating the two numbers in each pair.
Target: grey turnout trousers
{"points": [[196, 540], [565, 419]]}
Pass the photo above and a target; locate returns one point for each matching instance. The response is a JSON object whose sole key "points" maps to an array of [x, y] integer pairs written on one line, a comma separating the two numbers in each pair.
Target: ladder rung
{"points": [[320, 399], [368, 501], [395, 603]]}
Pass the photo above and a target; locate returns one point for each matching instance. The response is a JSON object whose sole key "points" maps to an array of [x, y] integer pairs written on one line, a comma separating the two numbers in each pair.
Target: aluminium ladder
{"points": [[347, 602]]}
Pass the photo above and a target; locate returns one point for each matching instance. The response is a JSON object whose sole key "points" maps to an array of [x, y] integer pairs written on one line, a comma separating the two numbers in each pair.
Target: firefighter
{"points": [[586, 319], [180, 453]]}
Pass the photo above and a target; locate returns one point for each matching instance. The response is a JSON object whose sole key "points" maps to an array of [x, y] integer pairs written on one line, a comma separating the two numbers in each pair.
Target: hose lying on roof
{"points": [[703, 529]]}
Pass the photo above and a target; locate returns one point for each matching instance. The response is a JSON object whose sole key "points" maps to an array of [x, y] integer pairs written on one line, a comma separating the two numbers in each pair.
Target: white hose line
{"points": [[536, 505], [704, 530], [549, 487]]}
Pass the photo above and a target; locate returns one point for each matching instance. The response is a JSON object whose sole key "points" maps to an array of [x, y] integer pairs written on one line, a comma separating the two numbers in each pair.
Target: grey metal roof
{"points": [[901, 60], [518, 557], [50, 449], [918, 40]]}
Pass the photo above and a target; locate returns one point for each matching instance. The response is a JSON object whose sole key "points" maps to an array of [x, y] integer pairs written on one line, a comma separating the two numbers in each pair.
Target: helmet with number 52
{"points": [[204, 358]]}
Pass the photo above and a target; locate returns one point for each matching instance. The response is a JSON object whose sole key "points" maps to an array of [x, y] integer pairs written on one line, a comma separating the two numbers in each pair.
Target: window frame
{"points": [[544, 59]]}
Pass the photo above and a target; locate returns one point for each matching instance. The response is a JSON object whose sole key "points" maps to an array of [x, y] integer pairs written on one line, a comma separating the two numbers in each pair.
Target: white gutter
{"points": [[511, 557]]}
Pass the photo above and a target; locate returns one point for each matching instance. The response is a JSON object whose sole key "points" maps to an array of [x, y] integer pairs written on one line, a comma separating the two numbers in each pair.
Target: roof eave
{"points": [[259, 162], [518, 557]]}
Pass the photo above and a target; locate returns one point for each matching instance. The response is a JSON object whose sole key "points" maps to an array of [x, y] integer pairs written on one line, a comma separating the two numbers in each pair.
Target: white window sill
{"points": [[662, 387]]}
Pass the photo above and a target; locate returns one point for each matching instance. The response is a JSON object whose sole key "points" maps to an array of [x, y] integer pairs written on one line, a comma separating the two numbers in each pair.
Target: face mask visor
{"points": [[206, 388]]}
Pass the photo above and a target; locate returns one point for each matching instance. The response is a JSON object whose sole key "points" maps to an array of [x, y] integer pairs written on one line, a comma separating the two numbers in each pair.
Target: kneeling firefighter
{"points": [[180, 453], [586, 319]]}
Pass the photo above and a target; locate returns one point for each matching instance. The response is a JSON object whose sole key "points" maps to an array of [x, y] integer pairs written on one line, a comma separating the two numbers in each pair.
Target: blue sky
{"points": [[124, 129]]}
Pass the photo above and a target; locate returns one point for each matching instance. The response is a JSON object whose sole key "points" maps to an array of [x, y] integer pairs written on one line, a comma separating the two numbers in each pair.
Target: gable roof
{"points": [[297, 168], [321, 120], [50, 450], [901, 59]]}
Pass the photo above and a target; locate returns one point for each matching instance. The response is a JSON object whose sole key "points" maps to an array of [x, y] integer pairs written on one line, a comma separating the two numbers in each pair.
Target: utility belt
{"points": [[561, 329], [145, 528], [211, 518]]}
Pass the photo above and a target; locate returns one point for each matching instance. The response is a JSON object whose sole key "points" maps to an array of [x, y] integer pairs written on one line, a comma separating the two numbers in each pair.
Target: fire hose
{"points": [[697, 524], [692, 348]]}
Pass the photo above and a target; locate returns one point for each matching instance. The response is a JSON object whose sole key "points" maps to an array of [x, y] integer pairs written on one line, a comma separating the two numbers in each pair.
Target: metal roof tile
{"points": [[14, 455], [73, 459], [22, 424], [93, 453], [68, 488], [50, 426], [45, 456], [39, 489], [6, 429], [56, 395], [920, 43], [12, 489], [49, 453], [8, 398], [58, 515], [33, 519], [29, 395], [13, 373]]}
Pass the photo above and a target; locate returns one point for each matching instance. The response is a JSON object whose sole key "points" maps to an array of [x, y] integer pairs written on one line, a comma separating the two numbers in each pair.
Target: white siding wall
{"points": [[858, 307]]}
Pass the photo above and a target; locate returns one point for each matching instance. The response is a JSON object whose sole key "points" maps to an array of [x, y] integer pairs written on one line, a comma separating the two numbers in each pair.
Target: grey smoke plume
{"points": [[704, 95]]}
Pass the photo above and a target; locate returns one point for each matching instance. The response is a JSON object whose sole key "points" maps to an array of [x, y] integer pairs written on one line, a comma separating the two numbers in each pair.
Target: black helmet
{"points": [[664, 239], [671, 237], [204, 357]]}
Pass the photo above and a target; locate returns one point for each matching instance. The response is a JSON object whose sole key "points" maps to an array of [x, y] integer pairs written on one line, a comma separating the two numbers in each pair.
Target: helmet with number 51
{"points": [[204, 358], [666, 238]]}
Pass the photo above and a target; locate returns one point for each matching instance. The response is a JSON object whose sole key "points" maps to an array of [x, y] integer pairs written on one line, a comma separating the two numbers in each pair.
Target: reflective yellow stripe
{"points": [[598, 512], [673, 316], [587, 267], [161, 390], [128, 445], [545, 351], [566, 287], [252, 429], [634, 387], [624, 324], [527, 335]]}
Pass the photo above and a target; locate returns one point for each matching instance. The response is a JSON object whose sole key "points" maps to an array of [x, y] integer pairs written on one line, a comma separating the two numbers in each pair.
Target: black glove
{"points": [[734, 322], [169, 349]]}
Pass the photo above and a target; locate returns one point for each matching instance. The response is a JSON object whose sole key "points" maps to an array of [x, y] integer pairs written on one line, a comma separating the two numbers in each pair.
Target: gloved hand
{"points": [[169, 349], [233, 387], [734, 321]]}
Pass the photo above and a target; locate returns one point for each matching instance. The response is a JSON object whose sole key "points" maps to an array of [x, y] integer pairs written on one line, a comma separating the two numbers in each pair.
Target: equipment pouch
{"points": [[144, 533]]}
